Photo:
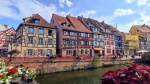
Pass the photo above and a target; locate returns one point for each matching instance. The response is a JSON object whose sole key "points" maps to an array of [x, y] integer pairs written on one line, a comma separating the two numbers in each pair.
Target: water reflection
{"points": [[91, 76]]}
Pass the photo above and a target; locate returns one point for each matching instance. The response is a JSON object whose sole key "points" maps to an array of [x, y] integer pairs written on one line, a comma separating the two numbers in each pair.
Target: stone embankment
{"points": [[44, 67]]}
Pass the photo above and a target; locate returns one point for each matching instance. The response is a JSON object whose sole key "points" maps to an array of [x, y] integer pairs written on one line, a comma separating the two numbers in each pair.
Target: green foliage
{"points": [[97, 61]]}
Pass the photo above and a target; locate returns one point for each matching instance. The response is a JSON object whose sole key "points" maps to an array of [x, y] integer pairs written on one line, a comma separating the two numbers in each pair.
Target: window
{"points": [[41, 31], [70, 25], [50, 32], [30, 52], [50, 41], [48, 52], [30, 30], [41, 51], [40, 40], [67, 42], [108, 50], [36, 21], [30, 40]]}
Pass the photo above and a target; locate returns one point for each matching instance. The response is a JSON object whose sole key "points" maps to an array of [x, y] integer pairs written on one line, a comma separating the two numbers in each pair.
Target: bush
{"points": [[97, 61], [134, 74]]}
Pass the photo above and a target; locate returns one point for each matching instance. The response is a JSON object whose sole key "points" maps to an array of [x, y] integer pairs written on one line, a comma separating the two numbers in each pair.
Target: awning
{"points": [[98, 49], [3, 47]]}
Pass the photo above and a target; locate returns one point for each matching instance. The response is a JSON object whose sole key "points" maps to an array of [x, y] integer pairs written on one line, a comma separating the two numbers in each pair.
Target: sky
{"points": [[118, 13]]}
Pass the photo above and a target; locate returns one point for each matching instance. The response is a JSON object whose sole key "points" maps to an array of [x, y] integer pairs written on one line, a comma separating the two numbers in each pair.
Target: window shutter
{"points": [[52, 53], [27, 52], [26, 40], [46, 41], [37, 40], [34, 31], [35, 52], [24, 52], [43, 41], [26, 30]]}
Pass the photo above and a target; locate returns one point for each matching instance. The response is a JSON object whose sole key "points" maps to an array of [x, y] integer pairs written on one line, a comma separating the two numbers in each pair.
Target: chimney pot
{"points": [[6, 26]]}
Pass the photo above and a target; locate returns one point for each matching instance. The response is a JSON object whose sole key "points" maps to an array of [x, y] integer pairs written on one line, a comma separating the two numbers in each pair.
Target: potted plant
{"points": [[10, 74]]}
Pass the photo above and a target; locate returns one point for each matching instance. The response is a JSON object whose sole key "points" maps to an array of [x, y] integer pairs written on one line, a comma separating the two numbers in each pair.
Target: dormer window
{"points": [[63, 24], [89, 23], [37, 21], [70, 25]]}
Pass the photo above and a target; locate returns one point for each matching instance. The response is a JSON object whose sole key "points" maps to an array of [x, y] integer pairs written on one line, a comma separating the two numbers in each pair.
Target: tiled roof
{"points": [[142, 28], [31, 21], [1, 32], [61, 19], [78, 25], [86, 20]]}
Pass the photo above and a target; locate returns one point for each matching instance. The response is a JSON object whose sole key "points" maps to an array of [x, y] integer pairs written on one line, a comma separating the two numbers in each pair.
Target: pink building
{"points": [[73, 38], [108, 39], [6, 37]]}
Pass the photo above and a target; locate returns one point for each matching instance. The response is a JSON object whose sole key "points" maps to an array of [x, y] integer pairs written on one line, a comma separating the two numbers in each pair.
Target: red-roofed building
{"points": [[73, 38], [35, 35]]}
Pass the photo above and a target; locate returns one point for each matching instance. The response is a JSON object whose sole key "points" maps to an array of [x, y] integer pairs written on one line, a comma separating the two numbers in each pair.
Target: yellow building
{"points": [[36, 36], [131, 44], [143, 31]]}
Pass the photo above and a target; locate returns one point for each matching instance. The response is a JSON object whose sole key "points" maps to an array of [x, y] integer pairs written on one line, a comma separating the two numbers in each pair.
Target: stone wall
{"points": [[57, 66]]}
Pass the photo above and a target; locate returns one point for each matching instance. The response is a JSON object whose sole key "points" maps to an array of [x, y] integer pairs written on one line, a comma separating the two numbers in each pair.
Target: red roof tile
{"points": [[78, 25], [31, 21], [142, 28], [61, 19]]}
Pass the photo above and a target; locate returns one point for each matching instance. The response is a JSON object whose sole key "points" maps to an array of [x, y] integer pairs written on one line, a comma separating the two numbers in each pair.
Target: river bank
{"points": [[46, 67]]}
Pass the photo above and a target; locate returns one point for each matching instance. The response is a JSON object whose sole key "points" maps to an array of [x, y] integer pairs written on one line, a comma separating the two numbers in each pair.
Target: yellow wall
{"points": [[135, 31], [133, 41]]}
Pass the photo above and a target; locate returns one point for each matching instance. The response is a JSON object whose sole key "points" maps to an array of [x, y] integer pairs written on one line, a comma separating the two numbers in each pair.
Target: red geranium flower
{"points": [[12, 71]]}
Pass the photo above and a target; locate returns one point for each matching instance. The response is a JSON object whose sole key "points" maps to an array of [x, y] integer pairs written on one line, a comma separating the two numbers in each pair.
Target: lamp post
{"points": [[11, 40]]}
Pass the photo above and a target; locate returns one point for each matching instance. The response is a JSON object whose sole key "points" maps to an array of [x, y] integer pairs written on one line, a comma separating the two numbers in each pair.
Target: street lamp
{"points": [[11, 40]]}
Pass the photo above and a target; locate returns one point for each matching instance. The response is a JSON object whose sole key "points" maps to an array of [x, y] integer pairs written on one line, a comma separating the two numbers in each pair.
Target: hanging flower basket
{"points": [[13, 51]]}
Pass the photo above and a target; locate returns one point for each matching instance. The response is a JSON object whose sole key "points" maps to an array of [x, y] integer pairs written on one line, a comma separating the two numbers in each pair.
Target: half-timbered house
{"points": [[73, 39], [36, 36], [98, 37], [108, 39], [7, 37]]}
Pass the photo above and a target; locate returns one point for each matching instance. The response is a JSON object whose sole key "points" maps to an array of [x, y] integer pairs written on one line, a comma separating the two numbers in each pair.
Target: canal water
{"points": [[88, 76]]}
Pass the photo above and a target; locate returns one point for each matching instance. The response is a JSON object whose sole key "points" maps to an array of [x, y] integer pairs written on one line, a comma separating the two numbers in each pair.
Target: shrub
{"points": [[133, 74]]}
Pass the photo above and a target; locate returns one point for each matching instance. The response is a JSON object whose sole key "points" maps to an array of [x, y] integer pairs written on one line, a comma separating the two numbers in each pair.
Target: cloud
{"points": [[139, 2], [18, 9], [144, 19], [142, 2], [67, 2], [130, 1], [61, 5], [88, 13], [122, 12]]}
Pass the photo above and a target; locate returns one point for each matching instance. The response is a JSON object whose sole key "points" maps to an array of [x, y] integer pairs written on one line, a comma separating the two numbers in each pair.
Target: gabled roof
{"points": [[143, 28], [93, 23], [78, 25], [61, 19], [31, 21], [2, 32]]}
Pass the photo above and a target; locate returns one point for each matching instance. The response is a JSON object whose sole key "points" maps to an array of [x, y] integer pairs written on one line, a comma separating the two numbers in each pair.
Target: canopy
{"points": [[98, 49], [3, 47], [142, 51]]}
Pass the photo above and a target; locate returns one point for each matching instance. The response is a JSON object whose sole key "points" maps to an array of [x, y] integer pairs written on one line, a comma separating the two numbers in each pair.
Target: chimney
{"points": [[143, 25], [6, 26], [103, 22], [82, 17]]}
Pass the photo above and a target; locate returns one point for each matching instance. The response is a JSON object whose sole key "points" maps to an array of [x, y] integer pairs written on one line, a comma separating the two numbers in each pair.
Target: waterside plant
{"points": [[133, 74]]}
